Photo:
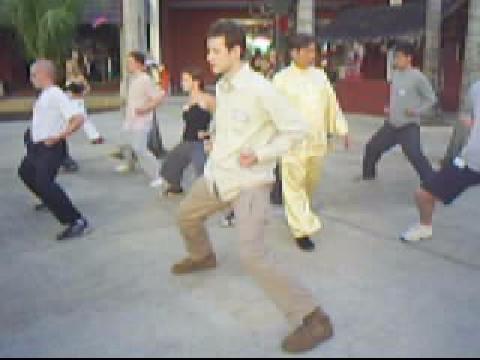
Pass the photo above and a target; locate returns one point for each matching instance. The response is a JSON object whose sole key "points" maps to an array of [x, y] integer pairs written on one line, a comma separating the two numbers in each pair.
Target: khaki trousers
{"points": [[251, 209], [300, 177]]}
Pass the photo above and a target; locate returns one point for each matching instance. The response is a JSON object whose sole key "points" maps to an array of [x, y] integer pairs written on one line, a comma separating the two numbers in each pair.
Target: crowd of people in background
{"points": [[267, 120]]}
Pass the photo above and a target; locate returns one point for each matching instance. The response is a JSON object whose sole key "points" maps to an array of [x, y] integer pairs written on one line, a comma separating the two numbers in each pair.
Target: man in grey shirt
{"points": [[455, 178], [412, 96]]}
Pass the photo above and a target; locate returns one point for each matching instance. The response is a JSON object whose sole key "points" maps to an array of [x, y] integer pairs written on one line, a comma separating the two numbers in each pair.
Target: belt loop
{"points": [[215, 191]]}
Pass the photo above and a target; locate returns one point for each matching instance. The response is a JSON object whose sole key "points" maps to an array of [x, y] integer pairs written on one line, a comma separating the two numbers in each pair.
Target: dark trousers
{"points": [[458, 141], [276, 196], [38, 171], [408, 137], [180, 158]]}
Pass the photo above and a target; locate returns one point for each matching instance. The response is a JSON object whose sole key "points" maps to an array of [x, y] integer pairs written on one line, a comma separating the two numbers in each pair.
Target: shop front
{"points": [[185, 26], [358, 51], [97, 42]]}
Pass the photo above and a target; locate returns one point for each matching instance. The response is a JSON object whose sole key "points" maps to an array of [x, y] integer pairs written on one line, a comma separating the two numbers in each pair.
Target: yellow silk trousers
{"points": [[301, 176]]}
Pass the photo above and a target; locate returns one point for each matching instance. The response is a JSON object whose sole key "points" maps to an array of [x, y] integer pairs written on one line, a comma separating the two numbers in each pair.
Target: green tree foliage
{"points": [[45, 27]]}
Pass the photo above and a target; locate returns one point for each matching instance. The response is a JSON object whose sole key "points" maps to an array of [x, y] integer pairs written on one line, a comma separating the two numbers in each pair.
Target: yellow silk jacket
{"points": [[311, 93]]}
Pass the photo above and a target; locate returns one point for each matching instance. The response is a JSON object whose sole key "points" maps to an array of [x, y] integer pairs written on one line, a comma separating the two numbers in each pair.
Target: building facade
{"points": [[367, 27], [185, 24], [354, 37]]}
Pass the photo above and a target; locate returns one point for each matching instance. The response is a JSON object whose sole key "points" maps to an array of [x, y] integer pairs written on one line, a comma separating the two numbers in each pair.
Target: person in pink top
{"points": [[144, 97]]}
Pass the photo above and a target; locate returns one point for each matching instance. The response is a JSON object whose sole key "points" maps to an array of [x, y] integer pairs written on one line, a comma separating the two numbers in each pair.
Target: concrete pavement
{"points": [[111, 294]]}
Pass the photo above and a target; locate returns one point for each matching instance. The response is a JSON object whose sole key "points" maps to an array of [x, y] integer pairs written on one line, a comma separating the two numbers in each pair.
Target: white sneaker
{"points": [[123, 169], [158, 183], [418, 233]]}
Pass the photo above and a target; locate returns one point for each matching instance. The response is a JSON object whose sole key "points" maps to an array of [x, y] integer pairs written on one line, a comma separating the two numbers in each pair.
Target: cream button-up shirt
{"points": [[251, 116], [311, 93]]}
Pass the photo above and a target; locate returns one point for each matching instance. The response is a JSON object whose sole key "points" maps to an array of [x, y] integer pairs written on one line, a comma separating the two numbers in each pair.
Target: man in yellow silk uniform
{"points": [[310, 92]]}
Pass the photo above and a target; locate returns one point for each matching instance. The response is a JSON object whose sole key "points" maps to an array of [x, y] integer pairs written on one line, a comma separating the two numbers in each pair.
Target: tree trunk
{"points": [[471, 74], [134, 33], [306, 17], [471, 71], [155, 25], [433, 42]]}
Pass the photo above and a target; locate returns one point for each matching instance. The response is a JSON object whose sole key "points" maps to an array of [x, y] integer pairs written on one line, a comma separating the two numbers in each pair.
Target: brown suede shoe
{"points": [[189, 266], [316, 329]]}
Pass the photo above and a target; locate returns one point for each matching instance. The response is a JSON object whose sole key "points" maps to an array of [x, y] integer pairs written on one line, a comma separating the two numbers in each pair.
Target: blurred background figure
{"points": [[197, 116], [144, 96]]}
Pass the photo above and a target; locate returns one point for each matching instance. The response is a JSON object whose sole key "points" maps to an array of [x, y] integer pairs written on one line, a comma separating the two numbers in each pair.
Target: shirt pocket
{"points": [[241, 120], [42, 107]]}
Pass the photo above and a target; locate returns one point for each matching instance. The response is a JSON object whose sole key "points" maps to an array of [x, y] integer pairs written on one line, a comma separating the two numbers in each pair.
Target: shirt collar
{"points": [[295, 68], [137, 75], [229, 84]]}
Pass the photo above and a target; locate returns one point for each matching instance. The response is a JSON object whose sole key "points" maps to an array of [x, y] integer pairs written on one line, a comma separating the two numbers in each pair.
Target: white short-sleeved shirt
{"points": [[80, 107], [51, 114]]}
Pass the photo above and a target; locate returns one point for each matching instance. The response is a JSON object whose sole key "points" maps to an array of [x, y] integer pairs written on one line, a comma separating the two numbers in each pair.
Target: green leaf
{"points": [[45, 27]]}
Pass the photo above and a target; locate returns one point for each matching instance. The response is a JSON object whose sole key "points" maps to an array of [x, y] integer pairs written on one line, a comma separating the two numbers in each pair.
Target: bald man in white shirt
{"points": [[55, 119]]}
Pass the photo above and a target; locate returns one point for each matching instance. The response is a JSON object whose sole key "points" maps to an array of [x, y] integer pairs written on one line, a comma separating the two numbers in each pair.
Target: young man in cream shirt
{"points": [[255, 126]]}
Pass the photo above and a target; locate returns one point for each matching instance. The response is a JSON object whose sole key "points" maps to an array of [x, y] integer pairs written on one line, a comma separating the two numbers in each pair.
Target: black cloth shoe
{"points": [[41, 208], [99, 141], [306, 244], [173, 191], [78, 229], [70, 165]]}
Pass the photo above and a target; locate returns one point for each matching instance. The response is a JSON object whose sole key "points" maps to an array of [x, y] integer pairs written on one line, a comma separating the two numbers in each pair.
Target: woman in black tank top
{"points": [[197, 121], [197, 117]]}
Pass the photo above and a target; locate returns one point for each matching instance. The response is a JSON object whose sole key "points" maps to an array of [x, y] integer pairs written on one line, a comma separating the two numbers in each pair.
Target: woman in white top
{"points": [[77, 81]]}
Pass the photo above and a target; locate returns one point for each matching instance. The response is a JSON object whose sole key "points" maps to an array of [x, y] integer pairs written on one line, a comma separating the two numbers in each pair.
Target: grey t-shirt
{"points": [[410, 90], [471, 153]]}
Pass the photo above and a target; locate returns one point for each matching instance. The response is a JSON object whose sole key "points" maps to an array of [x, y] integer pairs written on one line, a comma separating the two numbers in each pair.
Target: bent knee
{"points": [[423, 195], [186, 215]]}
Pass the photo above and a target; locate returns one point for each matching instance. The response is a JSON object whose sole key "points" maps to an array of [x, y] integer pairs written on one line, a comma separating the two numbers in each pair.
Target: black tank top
{"points": [[196, 119]]}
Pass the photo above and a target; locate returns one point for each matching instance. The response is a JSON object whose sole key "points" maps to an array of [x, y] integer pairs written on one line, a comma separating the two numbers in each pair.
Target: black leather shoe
{"points": [[173, 191], [70, 166], [99, 141], [78, 229], [41, 208], [306, 244]]}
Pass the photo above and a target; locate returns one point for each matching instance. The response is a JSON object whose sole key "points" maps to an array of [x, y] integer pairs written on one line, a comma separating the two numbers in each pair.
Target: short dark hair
{"points": [[300, 41], [233, 33], [138, 56], [196, 73], [407, 49], [76, 88]]}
